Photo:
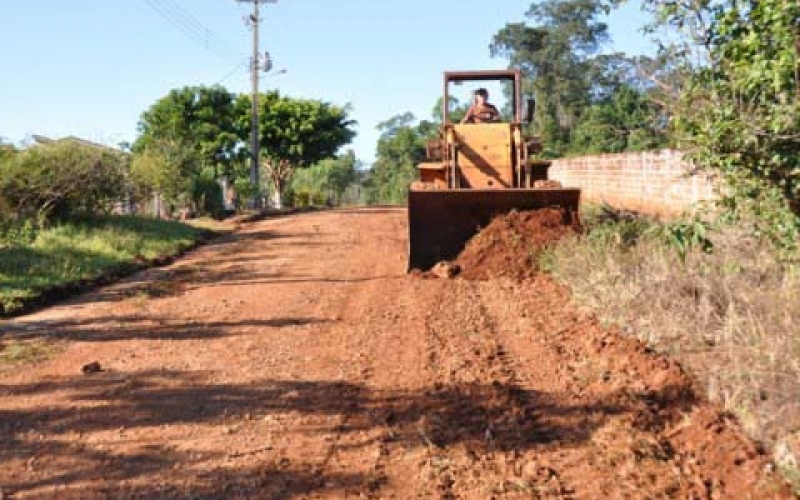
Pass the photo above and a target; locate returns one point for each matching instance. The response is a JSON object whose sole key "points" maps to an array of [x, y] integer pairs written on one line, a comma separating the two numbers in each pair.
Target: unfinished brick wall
{"points": [[657, 182]]}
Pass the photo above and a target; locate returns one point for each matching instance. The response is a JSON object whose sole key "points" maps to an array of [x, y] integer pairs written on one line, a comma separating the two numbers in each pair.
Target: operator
{"points": [[481, 111]]}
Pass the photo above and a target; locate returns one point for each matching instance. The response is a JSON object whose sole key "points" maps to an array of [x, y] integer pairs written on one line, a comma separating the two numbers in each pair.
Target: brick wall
{"points": [[657, 182]]}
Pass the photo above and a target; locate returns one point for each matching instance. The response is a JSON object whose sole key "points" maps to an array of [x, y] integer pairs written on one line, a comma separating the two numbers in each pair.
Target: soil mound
{"points": [[511, 244]]}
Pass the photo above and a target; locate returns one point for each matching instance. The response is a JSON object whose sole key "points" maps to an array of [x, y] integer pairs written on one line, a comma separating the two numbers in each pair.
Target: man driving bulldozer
{"points": [[481, 111]]}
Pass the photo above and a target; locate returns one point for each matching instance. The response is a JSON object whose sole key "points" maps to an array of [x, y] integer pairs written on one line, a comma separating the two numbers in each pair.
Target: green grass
{"points": [[732, 316], [76, 251], [26, 351]]}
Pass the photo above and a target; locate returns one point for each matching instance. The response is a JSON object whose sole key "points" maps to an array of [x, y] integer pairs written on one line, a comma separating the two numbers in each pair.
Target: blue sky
{"points": [[90, 68]]}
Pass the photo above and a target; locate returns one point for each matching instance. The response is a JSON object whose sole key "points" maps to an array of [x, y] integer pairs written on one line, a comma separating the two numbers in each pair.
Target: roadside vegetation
{"points": [[33, 262], [196, 137], [716, 298], [721, 292], [67, 207], [57, 230]]}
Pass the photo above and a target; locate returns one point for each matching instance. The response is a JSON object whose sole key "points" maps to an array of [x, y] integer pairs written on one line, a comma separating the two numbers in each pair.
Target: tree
{"points": [[326, 181], [738, 112], [401, 147], [294, 133], [201, 119], [6, 150], [556, 56], [188, 141], [625, 120]]}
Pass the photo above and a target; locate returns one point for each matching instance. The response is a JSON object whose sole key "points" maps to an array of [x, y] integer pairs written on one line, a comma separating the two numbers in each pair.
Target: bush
{"points": [[167, 168], [731, 315], [207, 196], [62, 180]]}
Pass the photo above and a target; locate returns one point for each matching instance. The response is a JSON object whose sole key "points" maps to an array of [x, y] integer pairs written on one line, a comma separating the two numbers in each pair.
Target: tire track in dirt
{"points": [[492, 422]]}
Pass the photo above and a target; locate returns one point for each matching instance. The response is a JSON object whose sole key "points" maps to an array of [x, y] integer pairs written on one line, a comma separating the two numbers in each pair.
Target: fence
{"points": [[655, 182]]}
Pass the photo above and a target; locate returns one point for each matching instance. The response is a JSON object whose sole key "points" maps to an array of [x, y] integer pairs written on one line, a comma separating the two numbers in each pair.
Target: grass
{"points": [[84, 250], [26, 351], [732, 316]]}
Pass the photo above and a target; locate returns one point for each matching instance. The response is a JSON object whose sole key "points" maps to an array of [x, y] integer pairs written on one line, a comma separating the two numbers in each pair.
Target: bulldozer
{"points": [[477, 171]]}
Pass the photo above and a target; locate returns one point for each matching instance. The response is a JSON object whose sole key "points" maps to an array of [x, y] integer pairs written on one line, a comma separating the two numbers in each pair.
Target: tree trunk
{"points": [[280, 174], [277, 193]]}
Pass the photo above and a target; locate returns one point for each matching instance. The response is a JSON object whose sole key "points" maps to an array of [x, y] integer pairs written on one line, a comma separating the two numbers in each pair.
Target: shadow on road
{"points": [[481, 417], [143, 327]]}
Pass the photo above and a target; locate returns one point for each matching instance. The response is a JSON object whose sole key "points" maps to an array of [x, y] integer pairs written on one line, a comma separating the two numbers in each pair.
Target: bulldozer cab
{"points": [[502, 84], [483, 155], [476, 171]]}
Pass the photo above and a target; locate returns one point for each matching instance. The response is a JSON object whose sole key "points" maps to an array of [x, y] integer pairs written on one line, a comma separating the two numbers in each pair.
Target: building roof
{"points": [[44, 140]]}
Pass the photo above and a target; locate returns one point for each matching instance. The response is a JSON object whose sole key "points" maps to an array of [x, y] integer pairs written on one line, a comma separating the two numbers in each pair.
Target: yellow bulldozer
{"points": [[477, 171]]}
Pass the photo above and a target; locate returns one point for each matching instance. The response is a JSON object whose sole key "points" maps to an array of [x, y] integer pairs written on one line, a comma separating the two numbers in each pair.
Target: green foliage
{"points": [[295, 133], [189, 139], [245, 190], [7, 151], [81, 250], [587, 102], [685, 235], [166, 167], [624, 233], [606, 227], [326, 181], [555, 55], [207, 194], [196, 135], [201, 119], [623, 121], [61, 180], [26, 351], [739, 113], [14, 229], [400, 148]]}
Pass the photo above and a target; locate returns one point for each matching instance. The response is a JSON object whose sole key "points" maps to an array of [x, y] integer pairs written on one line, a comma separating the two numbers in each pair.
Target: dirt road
{"points": [[295, 359]]}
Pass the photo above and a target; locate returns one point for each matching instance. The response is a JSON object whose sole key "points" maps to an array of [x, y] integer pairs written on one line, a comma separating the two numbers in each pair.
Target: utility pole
{"points": [[254, 20]]}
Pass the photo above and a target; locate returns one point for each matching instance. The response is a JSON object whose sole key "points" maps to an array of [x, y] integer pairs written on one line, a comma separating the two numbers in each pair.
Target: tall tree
{"points": [[202, 119], [555, 54], [294, 133]]}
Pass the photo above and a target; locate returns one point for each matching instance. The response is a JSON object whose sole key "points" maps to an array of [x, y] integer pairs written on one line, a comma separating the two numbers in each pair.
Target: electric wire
{"points": [[190, 27], [192, 20], [230, 73]]}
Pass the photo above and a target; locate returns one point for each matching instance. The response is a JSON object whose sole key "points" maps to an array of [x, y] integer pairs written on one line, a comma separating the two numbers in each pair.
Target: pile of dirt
{"points": [[511, 244]]}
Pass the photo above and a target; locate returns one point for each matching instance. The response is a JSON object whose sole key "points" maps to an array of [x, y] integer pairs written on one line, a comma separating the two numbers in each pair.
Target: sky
{"points": [[89, 68]]}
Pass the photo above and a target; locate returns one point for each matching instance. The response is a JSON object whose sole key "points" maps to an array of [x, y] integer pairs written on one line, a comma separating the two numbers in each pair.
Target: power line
{"points": [[192, 29], [210, 35], [189, 26], [231, 72]]}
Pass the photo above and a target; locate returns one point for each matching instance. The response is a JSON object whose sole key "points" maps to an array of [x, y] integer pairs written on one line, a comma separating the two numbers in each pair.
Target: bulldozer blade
{"points": [[440, 222]]}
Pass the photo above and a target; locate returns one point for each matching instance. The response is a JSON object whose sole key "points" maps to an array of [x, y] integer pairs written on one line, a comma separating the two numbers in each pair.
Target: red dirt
{"points": [[296, 360], [509, 246]]}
